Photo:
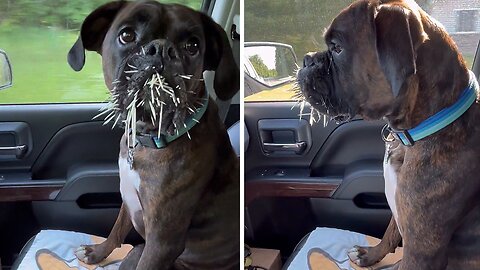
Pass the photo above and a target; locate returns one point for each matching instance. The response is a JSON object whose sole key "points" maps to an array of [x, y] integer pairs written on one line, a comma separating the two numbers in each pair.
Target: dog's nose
{"points": [[308, 60], [161, 48]]}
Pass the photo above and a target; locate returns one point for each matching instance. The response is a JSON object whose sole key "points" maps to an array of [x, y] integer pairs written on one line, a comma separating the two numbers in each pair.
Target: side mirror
{"points": [[5, 71], [269, 63]]}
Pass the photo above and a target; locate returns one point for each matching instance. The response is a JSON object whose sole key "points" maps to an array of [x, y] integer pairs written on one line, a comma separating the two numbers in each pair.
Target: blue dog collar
{"points": [[153, 141], [441, 119]]}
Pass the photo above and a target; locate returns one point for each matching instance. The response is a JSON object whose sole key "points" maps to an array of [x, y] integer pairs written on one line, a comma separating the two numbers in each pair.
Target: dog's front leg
{"points": [[367, 256], [92, 254], [417, 256], [168, 211]]}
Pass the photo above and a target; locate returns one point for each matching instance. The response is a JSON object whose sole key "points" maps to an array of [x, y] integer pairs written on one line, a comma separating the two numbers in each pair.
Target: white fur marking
{"points": [[390, 184], [130, 188]]}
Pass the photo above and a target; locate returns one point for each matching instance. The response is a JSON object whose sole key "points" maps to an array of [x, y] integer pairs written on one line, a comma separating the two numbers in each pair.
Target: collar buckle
{"points": [[404, 137], [386, 131], [159, 142]]}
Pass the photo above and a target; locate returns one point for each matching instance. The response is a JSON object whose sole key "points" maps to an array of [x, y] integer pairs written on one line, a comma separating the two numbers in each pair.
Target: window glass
{"points": [[37, 35], [300, 24]]}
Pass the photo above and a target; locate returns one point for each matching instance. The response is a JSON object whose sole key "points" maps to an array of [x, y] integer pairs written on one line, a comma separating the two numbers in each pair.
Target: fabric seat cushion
{"points": [[55, 250], [327, 249]]}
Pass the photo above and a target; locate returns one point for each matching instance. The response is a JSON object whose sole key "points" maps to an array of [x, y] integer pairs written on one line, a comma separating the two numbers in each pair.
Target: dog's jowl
{"points": [[390, 60], [179, 175]]}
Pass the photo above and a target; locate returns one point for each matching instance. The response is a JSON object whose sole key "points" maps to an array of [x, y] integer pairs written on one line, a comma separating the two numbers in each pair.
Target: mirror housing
{"points": [[5, 71], [270, 64]]}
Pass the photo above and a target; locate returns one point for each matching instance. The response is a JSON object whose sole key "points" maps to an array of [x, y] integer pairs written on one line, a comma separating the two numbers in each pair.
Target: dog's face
{"points": [[153, 58], [370, 58]]}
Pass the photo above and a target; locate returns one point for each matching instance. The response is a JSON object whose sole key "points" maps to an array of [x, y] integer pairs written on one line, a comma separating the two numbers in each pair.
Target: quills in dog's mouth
{"points": [[314, 115], [156, 99]]}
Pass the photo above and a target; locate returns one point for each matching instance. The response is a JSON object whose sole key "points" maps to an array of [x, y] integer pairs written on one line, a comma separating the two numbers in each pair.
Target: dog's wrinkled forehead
{"points": [[352, 22], [153, 20]]}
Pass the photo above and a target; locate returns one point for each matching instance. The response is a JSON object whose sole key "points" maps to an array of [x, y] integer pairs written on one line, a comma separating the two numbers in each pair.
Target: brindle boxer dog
{"points": [[183, 199], [389, 59]]}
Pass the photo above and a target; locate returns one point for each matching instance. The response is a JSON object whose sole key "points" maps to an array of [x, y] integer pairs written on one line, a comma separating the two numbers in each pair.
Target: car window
{"points": [[300, 24], [37, 36]]}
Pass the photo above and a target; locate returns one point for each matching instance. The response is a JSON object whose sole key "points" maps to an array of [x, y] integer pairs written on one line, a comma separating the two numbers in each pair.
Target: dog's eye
{"points": [[336, 48], [127, 35], [192, 46]]}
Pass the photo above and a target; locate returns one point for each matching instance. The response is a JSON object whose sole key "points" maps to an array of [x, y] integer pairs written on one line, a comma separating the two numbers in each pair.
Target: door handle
{"points": [[297, 147], [284, 137], [19, 151]]}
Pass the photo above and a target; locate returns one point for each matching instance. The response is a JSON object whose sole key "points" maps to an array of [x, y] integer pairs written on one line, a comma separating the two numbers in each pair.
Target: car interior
{"points": [[59, 165], [315, 176], [301, 176], [66, 175]]}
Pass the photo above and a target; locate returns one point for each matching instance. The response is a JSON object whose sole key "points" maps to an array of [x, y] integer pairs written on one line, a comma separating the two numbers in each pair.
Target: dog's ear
{"points": [[219, 58], [399, 33], [93, 31]]}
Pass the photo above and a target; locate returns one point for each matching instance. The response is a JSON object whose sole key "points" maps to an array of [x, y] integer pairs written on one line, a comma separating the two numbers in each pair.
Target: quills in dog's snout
{"points": [[188, 77], [156, 85], [155, 90], [314, 115], [111, 109]]}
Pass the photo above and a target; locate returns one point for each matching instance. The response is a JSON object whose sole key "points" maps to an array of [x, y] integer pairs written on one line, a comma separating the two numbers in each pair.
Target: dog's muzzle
{"points": [[316, 81]]}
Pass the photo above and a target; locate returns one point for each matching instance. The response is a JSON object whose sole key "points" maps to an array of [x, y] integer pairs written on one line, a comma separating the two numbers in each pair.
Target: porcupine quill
{"points": [[157, 85], [300, 99]]}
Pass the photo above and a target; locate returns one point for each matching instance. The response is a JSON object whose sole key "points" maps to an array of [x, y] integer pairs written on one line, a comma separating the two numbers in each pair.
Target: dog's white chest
{"points": [[390, 175], [130, 190]]}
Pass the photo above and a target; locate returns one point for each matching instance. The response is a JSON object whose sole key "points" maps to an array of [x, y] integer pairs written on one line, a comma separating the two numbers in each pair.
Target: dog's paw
{"points": [[363, 256], [91, 254]]}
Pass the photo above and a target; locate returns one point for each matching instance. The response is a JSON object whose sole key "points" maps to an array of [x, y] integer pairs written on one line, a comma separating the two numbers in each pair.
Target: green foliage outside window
{"points": [[37, 35], [261, 68]]}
